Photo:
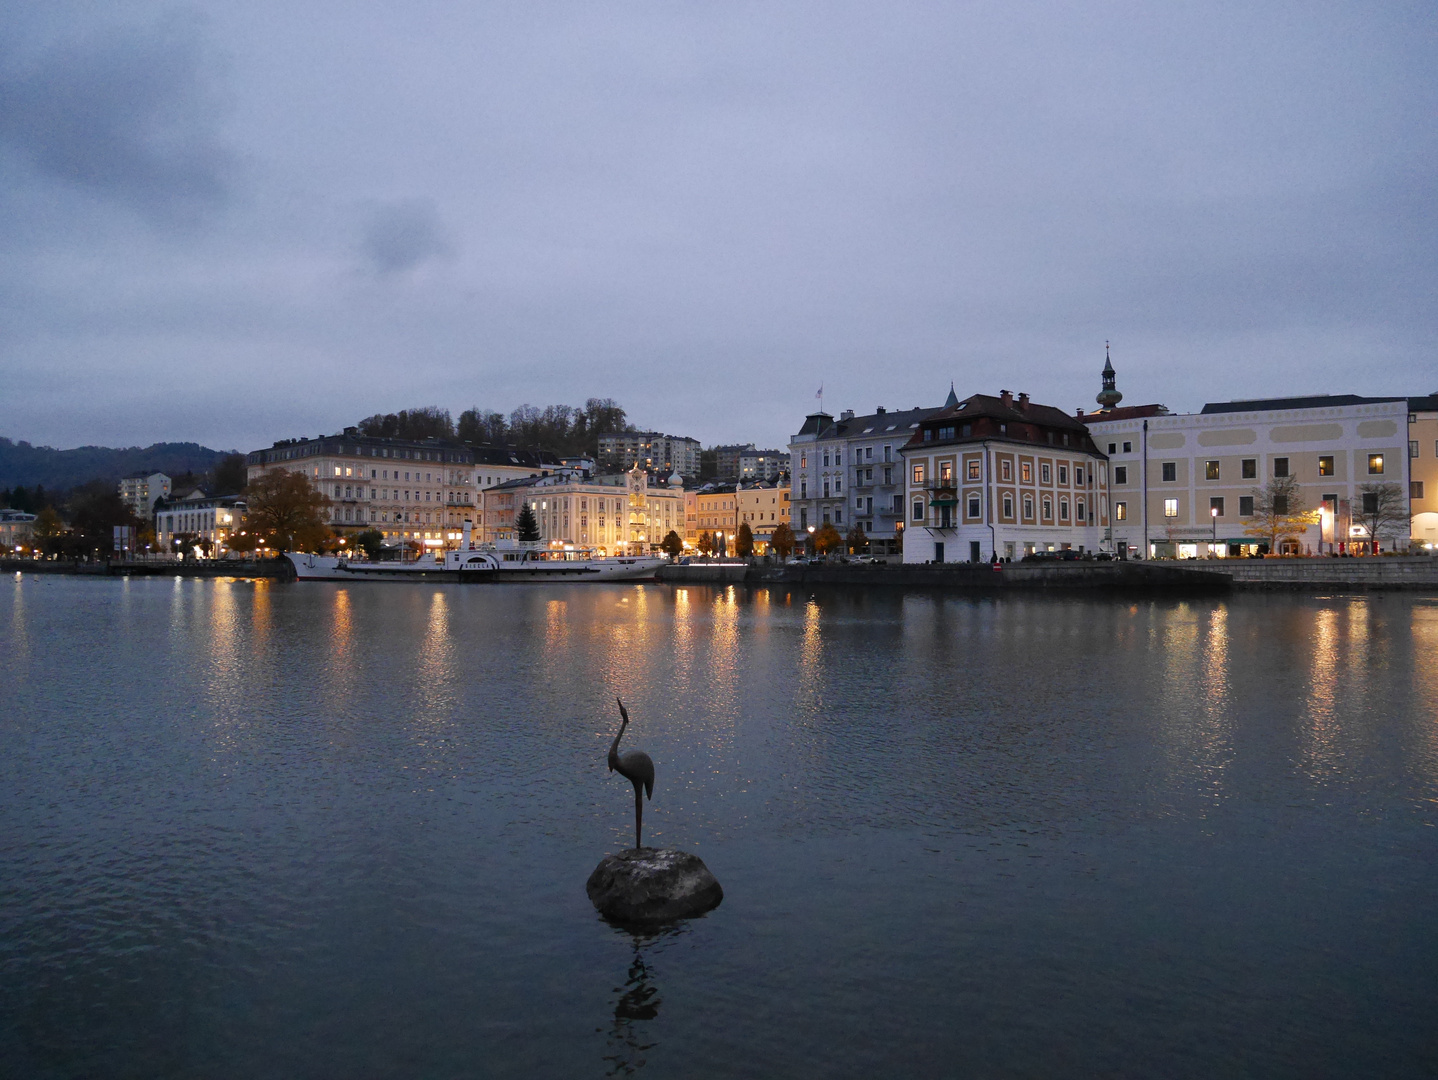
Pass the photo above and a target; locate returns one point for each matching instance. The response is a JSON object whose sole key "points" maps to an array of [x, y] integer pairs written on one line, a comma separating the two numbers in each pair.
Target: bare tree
{"points": [[1381, 510], [1279, 512]]}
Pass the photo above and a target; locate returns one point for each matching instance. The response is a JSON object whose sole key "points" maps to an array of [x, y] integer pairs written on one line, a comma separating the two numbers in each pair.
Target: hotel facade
{"points": [[1001, 477]]}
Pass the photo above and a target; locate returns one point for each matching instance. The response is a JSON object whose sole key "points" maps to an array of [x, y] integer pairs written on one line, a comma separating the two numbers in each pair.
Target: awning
{"points": [[943, 502]]}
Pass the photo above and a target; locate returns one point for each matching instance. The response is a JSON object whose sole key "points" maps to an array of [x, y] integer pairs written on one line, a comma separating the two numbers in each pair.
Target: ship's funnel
{"points": [[468, 528]]}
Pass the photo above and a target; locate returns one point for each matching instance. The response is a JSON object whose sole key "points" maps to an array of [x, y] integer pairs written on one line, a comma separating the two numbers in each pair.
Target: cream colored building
{"points": [[764, 505], [410, 490], [1182, 484], [1423, 470], [141, 491], [616, 513], [213, 519], [718, 506]]}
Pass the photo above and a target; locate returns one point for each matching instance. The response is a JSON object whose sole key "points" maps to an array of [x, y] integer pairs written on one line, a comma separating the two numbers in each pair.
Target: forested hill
{"points": [[23, 464]]}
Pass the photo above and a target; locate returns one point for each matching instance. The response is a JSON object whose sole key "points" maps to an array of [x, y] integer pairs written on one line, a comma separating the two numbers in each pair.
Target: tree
{"points": [[430, 422], [1279, 513], [744, 541], [370, 541], [49, 531], [706, 543], [1381, 508], [827, 539], [286, 510], [482, 426], [783, 540], [671, 545], [857, 541], [526, 526], [229, 475]]}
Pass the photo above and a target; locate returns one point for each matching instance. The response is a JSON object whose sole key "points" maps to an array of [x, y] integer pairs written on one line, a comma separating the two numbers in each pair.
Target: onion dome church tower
{"points": [[1109, 396]]}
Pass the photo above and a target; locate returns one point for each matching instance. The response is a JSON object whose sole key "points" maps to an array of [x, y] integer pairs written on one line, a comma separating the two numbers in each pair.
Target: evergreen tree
{"points": [[526, 526]]}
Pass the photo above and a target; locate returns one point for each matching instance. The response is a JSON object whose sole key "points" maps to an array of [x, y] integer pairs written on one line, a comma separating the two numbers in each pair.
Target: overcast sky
{"points": [[244, 222]]}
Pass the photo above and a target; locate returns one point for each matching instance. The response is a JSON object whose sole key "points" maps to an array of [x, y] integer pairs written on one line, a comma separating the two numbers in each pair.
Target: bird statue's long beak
{"points": [[623, 711]]}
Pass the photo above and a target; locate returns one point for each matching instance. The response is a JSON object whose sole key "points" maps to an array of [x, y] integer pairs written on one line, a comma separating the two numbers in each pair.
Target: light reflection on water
{"points": [[1199, 832]]}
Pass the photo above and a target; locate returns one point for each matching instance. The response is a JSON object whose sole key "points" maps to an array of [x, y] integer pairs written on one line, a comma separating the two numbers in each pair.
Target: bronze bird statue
{"points": [[636, 767]]}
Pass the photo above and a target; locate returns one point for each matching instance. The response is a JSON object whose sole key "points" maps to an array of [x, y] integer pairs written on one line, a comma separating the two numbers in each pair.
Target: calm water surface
{"points": [[251, 829]]}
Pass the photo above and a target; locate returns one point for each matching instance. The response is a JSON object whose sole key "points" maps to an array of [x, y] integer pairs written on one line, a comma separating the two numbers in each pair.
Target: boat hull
{"points": [[474, 571]]}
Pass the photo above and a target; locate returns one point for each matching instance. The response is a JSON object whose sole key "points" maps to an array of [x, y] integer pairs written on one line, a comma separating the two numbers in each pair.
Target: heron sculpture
{"points": [[636, 767]]}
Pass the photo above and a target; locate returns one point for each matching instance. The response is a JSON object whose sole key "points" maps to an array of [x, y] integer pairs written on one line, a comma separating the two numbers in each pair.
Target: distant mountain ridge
{"points": [[24, 465]]}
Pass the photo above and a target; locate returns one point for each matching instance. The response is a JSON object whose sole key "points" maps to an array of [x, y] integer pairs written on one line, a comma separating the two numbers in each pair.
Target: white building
{"points": [[1182, 483], [650, 450], [419, 491], [17, 528], [614, 513], [200, 518], [141, 491], [848, 471], [762, 464], [1001, 477]]}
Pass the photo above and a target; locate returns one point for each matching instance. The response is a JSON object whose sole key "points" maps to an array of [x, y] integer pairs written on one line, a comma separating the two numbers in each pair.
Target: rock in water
{"points": [[652, 885]]}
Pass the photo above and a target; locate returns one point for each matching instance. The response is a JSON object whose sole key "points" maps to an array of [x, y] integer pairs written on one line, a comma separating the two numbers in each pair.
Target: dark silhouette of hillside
{"points": [[24, 465]]}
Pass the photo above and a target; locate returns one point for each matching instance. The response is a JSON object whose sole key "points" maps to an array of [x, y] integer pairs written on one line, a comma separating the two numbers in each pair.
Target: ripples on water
{"points": [[311, 830]]}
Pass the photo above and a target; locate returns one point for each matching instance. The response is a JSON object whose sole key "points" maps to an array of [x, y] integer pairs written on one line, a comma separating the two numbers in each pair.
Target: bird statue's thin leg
{"points": [[638, 815]]}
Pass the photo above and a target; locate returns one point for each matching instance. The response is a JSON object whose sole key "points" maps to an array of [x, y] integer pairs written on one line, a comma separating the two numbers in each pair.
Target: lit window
{"points": [[1375, 464], [946, 472], [1215, 506], [1170, 508], [1120, 511], [1325, 465], [974, 469], [1026, 472], [918, 474], [1210, 470], [1006, 469]]}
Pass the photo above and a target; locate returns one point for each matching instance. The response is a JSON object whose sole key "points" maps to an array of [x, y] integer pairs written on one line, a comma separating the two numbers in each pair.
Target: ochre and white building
{"points": [[1183, 484], [616, 513], [1002, 477]]}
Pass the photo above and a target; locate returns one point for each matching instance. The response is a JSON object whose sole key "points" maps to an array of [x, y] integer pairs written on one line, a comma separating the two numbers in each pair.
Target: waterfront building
{"points": [[848, 471], [762, 464], [17, 529], [764, 504], [1423, 470], [211, 519], [691, 517], [141, 491], [419, 491], [1001, 476], [718, 512], [1183, 483], [651, 450], [611, 513]]}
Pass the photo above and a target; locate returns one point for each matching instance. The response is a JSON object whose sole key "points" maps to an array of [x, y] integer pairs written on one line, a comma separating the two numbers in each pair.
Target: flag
{"points": [[820, 394]]}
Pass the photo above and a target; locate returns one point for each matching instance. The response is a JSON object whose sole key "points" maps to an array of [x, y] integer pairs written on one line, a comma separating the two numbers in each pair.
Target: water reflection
{"points": [[637, 1001]]}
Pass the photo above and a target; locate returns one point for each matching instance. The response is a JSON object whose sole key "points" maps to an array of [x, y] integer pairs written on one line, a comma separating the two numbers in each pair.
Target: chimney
{"points": [[878, 410], [847, 414], [468, 535], [1007, 398], [1023, 401], [1080, 414]]}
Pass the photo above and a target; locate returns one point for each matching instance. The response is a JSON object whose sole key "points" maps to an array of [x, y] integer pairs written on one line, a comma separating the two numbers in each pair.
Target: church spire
{"points": [[953, 398], [1109, 396]]}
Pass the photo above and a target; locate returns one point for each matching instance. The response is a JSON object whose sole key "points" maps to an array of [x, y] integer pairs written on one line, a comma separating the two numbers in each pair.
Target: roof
{"points": [[1130, 412], [1316, 401], [1426, 403], [1025, 416], [878, 425]]}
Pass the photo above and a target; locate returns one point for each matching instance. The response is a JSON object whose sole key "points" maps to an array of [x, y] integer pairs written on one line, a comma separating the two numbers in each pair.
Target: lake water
{"points": [[303, 830]]}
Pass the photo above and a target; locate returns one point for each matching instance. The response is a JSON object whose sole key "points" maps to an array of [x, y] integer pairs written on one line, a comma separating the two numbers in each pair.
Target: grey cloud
{"points": [[399, 236], [127, 116]]}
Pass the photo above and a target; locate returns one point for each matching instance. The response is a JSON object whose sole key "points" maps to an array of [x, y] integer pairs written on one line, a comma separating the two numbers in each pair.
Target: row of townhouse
{"points": [[719, 509], [1003, 476]]}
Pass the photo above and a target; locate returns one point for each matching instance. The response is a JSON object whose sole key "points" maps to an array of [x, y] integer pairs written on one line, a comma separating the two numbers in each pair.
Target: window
{"points": [[1170, 508], [1063, 474], [886, 453], [1415, 489], [1079, 510], [918, 474], [968, 430], [945, 433], [838, 516], [1280, 466], [1413, 448], [1375, 464], [1026, 472], [899, 505], [1210, 470], [1078, 476], [1048, 507], [826, 458], [1008, 506], [1128, 448], [1280, 504], [1370, 502], [838, 485], [803, 489], [1113, 448], [1120, 511], [826, 489], [868, 453], [1215, 504], [1045, 474], [946, 472], [973, 506], [1006, 469], [1170, 472], [1325, 465], [1120, 474], [804, 460], [1245, 506], [1063, 509], [1249, 471], [889, 475], [1028, 506], [918, 511], [973, 468]]}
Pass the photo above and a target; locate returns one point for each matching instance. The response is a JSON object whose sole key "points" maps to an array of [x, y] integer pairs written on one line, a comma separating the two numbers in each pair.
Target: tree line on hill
{"points": [[568, 430], [25, 465]]}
